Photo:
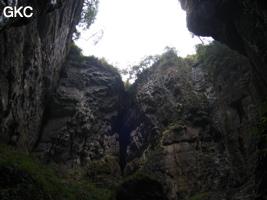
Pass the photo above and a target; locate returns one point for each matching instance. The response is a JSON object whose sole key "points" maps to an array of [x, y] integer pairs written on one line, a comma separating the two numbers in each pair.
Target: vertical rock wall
{"points": [[83, 117], [193, 126], [189, 127], [32, 53], [242, 25]]}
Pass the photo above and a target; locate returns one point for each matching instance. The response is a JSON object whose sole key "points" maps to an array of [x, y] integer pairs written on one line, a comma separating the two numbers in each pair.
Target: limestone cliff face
{"points": [[242, 26], [32, 53], [83, 116], [239, 24], [185, 122], [190, 127]]}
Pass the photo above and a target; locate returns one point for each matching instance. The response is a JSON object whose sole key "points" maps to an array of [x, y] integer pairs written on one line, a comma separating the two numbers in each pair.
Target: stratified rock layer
{"points": [[32, 53]]}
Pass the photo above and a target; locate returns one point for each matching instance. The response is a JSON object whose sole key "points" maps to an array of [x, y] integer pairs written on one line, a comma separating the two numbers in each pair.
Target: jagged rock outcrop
{"points": [[32, 52], [190, 126], [242, 25], [83, 117]]}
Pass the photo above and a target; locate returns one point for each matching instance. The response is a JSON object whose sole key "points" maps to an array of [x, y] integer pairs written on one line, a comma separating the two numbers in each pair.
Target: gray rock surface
{"points": [[31, 58], [192, 127], [186, 122], [83, 115], [239, 24]]}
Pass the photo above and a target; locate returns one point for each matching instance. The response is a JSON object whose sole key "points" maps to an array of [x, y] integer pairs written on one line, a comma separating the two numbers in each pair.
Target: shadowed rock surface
{"points": [[31, 58]]}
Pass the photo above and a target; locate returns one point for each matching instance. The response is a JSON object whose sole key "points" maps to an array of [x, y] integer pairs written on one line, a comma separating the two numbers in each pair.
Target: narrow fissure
{"points": [[124, 141]]}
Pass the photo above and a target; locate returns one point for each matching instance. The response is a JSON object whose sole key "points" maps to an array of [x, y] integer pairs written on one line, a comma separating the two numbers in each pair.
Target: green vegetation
{"points": [[140, 176], [127, 84], [134, 71], [88, 16], [75, 54], [209, 54], [263, 122], [175, 128], [24, 177], [260, 130], [103, 174], [102, 64], [168, 58], [204, 196], [75, 51]]}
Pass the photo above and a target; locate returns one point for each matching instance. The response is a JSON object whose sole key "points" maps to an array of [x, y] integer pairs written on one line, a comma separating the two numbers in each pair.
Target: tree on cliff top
{"points": [[89, 12], [88, 16], [133, 72]]}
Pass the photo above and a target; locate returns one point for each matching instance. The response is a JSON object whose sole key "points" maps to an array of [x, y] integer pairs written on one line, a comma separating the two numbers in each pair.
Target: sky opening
{"points": [[132, 29]]}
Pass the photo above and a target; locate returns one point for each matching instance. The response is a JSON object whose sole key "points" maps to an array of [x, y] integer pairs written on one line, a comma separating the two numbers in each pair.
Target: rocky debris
{"points": [[83, 116], [190, 127], [31, 57]]}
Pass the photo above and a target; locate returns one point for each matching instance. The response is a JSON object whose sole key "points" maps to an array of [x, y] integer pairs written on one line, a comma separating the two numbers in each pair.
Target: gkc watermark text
{"points": [[26, 11]]}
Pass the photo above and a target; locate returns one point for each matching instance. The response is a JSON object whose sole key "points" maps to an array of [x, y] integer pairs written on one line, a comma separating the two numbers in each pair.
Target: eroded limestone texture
{"points": [[190, 126], [32, 54], [83, 116]]}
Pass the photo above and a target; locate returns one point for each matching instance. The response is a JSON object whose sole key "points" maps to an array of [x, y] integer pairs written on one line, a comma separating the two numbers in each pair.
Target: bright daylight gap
{"points": [[133, 29]]}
